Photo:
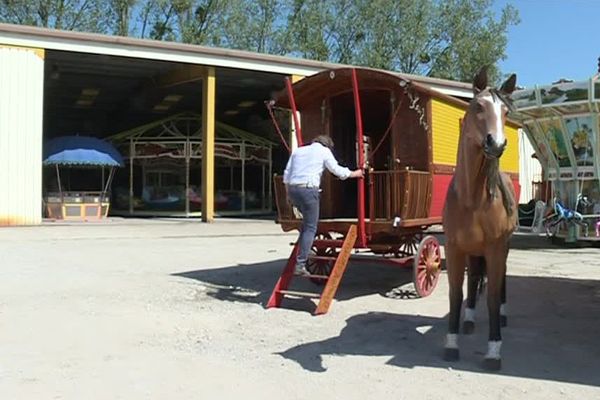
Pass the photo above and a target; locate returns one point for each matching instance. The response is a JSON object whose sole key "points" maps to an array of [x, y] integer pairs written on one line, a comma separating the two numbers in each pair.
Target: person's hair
{"points": [[324, 140]]}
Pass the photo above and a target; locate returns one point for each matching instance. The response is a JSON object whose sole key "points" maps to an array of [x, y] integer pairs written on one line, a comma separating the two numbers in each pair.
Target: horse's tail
{"points": [[477, 270]]}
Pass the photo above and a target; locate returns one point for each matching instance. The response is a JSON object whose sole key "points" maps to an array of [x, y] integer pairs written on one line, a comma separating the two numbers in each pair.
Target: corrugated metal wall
{"points": [[21, 113]]}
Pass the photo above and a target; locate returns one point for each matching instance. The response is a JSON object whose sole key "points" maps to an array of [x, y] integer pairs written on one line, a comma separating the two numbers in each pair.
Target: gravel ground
{"points": [[173, 309]]}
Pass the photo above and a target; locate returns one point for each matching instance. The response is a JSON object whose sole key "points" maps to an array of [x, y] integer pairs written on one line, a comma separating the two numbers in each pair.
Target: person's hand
{"points": [[358, 173]]}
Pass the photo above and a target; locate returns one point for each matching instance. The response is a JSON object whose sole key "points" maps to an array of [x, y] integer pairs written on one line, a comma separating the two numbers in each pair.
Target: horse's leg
{"points": [[503, 318], [455, 265], [475, 276], [495, 258]]}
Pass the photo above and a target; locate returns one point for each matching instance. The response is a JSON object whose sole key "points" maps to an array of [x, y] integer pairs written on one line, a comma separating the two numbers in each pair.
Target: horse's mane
{"points": [[494, 180]]}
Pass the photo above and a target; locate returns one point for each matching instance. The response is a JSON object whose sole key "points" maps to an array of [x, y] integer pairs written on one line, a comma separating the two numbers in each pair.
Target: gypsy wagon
{"points": [[405, 135]]}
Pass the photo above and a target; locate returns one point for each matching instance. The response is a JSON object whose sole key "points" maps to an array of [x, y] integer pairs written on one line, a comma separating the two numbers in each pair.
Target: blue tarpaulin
{"points": [[81, 150]]}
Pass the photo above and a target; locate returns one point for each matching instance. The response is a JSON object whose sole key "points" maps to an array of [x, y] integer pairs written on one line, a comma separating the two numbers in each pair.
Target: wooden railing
{"points": [[284, 208], [404, 193]]}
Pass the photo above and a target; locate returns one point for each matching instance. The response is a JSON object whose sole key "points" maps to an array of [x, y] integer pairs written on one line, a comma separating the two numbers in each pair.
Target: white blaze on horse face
{"points": [[494, 116]]}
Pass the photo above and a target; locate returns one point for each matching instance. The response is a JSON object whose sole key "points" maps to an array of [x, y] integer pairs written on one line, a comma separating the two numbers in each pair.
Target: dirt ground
{"points": [[173, 309]]}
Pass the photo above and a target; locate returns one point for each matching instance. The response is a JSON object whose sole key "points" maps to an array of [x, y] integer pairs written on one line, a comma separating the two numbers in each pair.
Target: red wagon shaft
{"points": [[298, 128], [362, 235]]}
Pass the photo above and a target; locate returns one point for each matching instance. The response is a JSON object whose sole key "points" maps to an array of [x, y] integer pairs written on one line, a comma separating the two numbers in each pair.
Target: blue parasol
{"points": [[81, 151]]}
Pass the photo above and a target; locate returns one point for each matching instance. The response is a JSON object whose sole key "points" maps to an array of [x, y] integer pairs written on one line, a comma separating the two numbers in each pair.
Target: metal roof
{"points": [[51, 39]]}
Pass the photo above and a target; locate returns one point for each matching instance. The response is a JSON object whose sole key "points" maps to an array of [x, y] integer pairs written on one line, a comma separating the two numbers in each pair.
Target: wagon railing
{"points": [[284, 208], [402, 193]]}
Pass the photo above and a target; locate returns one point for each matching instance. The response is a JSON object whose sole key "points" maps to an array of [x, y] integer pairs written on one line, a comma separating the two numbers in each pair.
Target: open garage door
{"points": [[107, 96]]}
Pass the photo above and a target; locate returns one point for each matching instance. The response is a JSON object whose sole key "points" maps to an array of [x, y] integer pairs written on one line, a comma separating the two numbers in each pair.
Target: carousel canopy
{"points": [[81, 151], [562, 123], [187, 125], [167, 137]]}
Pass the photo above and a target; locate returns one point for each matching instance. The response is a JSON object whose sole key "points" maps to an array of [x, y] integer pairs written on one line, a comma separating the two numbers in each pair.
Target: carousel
{"points": [[79, 173], [164, 160], [561, 121]]}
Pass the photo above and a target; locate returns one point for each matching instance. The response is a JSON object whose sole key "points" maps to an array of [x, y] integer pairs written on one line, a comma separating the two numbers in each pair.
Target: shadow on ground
{"points": [[553, 332], [552, 335], [254, 282]]}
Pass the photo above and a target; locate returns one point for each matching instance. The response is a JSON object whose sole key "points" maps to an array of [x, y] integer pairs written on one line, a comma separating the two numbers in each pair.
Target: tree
{"points": [[78, 15], [198, 20], [305, 34], [471, 38], [119, 16], [440, 38], [448, 39], [253, 25]]}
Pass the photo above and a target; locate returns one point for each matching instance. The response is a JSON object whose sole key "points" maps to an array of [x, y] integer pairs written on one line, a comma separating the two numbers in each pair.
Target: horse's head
{"points": [[486, 116]]}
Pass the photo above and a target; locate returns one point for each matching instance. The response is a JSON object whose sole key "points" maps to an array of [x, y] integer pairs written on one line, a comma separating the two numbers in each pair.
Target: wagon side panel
{"points": [[446, 120], [445, 129], [509, 163]]}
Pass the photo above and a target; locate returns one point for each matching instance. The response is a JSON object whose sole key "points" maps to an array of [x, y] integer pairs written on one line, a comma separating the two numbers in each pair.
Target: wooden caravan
{"points": [[406, 135]]}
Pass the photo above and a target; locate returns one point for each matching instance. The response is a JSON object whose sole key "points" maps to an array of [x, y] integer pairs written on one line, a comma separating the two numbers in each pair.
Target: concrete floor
{"points": [[174, 309]]}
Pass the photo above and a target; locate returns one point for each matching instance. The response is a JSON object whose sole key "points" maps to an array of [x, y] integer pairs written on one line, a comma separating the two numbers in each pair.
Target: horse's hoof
{"points": [[492, 364], [451, 354], [503, 321], [468, 327]]}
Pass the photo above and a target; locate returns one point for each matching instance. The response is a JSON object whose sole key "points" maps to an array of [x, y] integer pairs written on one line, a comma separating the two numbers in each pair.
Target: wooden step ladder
{"points": [[333, 280]]}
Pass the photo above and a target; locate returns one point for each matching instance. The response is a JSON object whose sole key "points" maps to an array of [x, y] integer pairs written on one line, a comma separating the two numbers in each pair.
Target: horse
{"points": [[480, 213]]}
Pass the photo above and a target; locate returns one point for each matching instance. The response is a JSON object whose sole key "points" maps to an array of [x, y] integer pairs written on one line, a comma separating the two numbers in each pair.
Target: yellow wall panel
{"points": [[509, 161], [445, 127]]}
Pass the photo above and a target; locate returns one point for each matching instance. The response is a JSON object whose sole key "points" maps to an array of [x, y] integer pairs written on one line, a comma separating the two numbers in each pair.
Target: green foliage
{"points": [[441, 38], [79, 15]]}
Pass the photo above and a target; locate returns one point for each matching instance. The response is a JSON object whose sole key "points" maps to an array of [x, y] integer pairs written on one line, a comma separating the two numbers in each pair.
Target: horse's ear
{"points": [[480, 81], [509, 86]]}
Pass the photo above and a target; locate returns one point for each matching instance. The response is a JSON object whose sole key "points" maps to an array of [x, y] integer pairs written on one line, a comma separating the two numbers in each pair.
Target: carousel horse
{"points": [[480, 214], [564, 214]]}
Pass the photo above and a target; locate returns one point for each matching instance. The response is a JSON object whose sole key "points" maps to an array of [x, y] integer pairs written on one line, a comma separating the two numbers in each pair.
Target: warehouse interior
{"points": [[108, 96]]}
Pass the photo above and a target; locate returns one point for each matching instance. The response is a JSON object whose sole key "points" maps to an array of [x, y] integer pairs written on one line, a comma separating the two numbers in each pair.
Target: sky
{"points": [[555, 39]]}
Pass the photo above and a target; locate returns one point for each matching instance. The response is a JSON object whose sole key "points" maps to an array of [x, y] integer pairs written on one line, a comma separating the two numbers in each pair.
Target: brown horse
{"points": [[480, 214]]}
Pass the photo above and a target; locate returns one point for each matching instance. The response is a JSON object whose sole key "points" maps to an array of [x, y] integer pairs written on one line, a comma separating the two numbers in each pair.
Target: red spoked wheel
{"points": [[427, 266], [319, 266], [408, 245]]}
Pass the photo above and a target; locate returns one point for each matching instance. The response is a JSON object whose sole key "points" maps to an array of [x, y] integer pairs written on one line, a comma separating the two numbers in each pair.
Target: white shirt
{"points": [[306, 165]]}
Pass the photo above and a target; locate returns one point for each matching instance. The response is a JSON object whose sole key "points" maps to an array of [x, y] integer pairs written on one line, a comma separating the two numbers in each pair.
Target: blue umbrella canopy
{"points": [[82, 151]]}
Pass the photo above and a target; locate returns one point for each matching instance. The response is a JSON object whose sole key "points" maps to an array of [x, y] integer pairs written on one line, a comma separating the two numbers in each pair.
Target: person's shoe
{"points": [[301, 270]]}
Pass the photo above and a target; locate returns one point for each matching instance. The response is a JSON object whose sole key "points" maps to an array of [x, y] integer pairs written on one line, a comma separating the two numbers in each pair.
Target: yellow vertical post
{"points": [[208, 144], [293, 141]]}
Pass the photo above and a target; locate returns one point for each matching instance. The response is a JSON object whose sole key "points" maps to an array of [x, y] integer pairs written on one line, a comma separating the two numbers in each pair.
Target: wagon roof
{"points": [[326, 83], [314, 88]]}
